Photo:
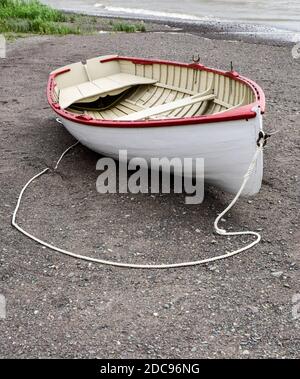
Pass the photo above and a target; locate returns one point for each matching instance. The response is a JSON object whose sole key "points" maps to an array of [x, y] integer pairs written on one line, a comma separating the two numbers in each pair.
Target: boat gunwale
{"points": [[240, 113]]}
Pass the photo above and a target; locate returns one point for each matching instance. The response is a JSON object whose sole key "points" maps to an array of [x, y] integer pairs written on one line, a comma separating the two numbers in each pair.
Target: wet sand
{"points": [[60, 307]]}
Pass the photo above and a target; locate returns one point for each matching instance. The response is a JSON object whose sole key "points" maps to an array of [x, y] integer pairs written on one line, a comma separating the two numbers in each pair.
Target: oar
{"points": [[145, 113]]}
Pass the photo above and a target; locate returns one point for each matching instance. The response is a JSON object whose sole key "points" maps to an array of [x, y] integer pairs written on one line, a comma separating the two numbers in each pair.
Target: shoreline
{"points": [[81, 22], [219, 30]]}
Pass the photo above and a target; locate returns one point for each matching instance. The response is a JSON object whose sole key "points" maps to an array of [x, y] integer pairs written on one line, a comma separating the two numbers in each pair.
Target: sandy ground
{"points": [[60, 307]]}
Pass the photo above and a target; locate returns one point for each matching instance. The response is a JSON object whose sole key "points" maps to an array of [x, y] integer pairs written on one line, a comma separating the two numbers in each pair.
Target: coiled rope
{"points": [[260, 143]]}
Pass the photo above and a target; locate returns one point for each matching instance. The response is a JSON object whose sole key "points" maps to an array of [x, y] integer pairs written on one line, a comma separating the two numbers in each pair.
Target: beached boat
{"points": [[155, 109]]}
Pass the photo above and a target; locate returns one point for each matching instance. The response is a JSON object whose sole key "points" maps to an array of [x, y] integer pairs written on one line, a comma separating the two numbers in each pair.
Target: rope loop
{"points": [[260, 144]]}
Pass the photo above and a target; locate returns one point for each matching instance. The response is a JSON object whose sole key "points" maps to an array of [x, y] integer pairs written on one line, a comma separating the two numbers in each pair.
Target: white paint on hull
{"points": [[226, 147]]}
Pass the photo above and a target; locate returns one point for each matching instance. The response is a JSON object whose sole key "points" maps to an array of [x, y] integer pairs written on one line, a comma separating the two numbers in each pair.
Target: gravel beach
{"points": [[241, 307]]}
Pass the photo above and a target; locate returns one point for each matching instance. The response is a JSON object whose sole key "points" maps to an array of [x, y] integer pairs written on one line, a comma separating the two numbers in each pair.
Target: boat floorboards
{"points": [[172, 85]]}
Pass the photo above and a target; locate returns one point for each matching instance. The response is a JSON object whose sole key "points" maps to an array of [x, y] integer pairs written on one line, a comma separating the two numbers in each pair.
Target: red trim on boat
{"points": [[244, 112], [61, 72]]}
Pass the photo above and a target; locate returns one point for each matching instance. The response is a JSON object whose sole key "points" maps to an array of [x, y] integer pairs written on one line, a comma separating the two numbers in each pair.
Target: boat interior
{"points": [[111, 88]]}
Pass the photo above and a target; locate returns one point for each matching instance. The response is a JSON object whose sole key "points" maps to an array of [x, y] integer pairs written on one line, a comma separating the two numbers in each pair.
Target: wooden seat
{"points": [[146, 113], [91, 90]]}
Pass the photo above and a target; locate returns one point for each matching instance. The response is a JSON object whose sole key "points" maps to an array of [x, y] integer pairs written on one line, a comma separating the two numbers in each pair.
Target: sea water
{"points": [[279, 15]]}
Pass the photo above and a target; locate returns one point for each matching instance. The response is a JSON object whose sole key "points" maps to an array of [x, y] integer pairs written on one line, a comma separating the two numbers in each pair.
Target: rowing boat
{"points": [[156, 109]]}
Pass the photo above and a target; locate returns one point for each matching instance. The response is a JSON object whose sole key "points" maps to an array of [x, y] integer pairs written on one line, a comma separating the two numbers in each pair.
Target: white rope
{"points": [[64, 153], [220, 231]]}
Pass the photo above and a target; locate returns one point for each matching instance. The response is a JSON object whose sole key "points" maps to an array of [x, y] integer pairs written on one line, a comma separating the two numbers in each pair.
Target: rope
{"points": [[218, 230]]}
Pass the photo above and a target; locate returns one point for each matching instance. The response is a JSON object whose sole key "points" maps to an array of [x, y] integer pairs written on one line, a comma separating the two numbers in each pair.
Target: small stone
{"points": [[277, 274], [246, 352], [197, 230], [253, 308], [193, 349], [155, 314]]}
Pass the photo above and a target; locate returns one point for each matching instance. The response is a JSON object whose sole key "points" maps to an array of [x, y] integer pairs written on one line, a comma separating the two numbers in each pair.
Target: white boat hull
{"points": [[226, 147]]}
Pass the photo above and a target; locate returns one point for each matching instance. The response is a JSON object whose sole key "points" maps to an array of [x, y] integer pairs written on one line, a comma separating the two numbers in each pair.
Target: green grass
{"points": [[30, 9], [30, 16], [128, 27], [21, 17]]}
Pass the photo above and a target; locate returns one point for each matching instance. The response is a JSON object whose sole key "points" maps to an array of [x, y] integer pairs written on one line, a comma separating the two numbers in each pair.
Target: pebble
{"points": [[253, 308], [277, 274]]}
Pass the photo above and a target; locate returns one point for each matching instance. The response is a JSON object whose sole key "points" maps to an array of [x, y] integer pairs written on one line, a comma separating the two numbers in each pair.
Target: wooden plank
{"points": [[177, 76], [173, 88], [134, 105], [109, 115], [223, 103], [118, 111], [123, 109], [131, 105], [149, 71], [163, 75], [167, 107], [190, 79], [138, 93], [154, 98], [174, 112], [182, 112], [171, 75], [146, 96]]}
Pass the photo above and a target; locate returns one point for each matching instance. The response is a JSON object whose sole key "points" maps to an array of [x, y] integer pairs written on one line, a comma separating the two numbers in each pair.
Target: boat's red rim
{"points": [[241, 113]]}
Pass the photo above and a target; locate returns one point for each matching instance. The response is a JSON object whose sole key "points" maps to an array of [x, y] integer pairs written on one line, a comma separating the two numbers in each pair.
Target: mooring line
{"points": [[260, 143]]}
